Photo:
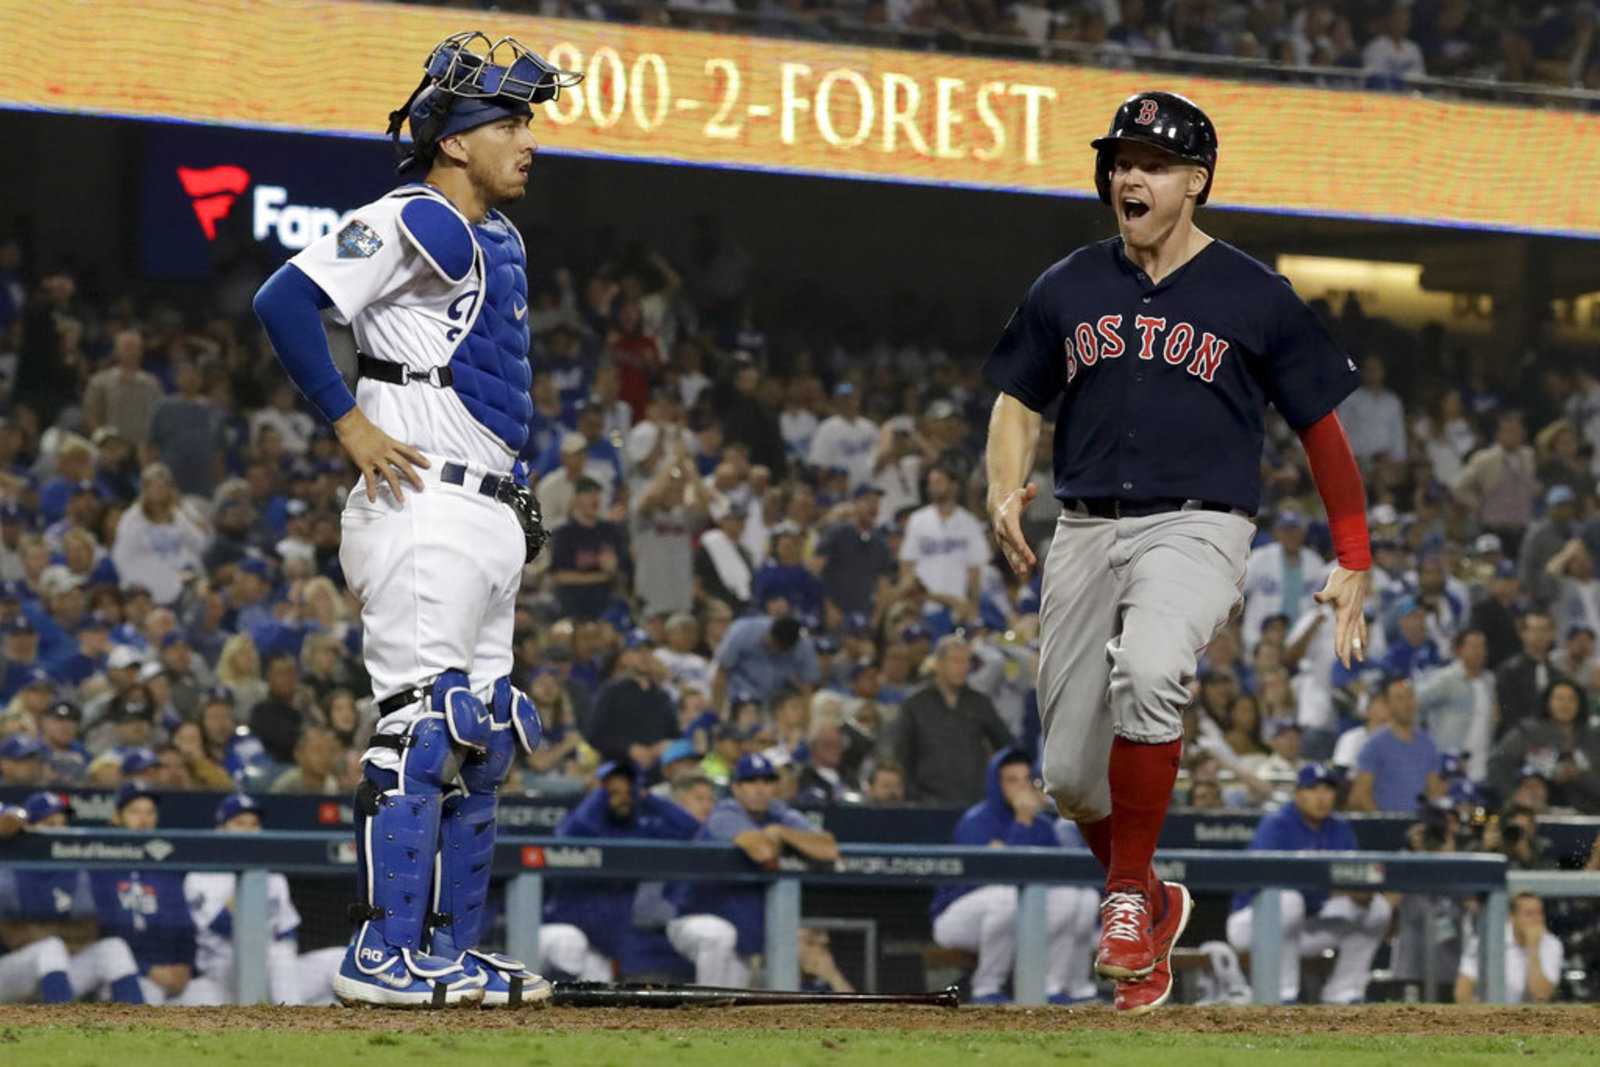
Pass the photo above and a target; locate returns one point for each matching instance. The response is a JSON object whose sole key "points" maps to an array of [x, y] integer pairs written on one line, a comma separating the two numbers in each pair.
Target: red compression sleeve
{"points": [[1338, 479]]}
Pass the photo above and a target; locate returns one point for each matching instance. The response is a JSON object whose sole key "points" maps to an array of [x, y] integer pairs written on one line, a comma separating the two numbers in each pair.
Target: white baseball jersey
{"points": [[944, 549], [403, 309], [210, 897]]}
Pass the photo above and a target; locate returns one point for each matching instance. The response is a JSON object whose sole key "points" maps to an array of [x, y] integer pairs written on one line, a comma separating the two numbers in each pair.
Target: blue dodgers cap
{"points": [[138, 761], [21, 746], [256, 566], [217, 694], [754, 765], [1506, 568], [237, 804], [40, 806], [638, 637], [1274, 727], [1452, 765], [1315, 774], [128, 792], [682, 748], [1558, 495], [825, 644], [1290, 517], [866, 489]]}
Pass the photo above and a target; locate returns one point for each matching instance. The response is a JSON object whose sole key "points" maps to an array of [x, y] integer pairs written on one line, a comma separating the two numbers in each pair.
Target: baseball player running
{"points": [[432, 280], [1163, 345]]}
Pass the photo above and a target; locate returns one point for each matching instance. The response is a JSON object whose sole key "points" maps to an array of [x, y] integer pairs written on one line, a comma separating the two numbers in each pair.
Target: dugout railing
{"points": [[526, 862]]}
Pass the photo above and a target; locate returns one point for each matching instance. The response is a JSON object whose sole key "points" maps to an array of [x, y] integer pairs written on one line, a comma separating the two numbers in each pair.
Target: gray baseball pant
{"points": [[1128, 605]]}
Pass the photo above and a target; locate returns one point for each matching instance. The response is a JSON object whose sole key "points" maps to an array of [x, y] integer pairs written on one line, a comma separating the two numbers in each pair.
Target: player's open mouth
{"points": [[1134, 209]]}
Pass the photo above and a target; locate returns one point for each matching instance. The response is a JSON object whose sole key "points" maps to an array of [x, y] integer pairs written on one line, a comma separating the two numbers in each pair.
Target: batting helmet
{"points": [[468, 81], [1166, 120]]}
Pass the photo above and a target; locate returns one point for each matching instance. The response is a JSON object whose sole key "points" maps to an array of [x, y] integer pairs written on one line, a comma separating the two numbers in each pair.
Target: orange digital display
{"points": [[815, 108]]}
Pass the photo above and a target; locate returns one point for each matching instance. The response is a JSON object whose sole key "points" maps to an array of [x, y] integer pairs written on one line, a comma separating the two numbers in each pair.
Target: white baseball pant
{"points": [[711, 943], [566, 948], [1353, 931], [437, 577], [91, 970], [985, 921]]}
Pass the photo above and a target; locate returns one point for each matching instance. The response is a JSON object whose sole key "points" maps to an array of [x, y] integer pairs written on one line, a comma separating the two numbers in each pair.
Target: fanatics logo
{"points": [[212, 191], [329, 814], [533, 856]]}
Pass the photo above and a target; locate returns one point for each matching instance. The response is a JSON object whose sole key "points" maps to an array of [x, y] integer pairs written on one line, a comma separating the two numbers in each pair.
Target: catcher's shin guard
{"points": [[466, 855]]}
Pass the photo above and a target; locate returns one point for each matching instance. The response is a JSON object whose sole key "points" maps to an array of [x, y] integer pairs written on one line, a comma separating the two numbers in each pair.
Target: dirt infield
{"points": [[1431, 1020]]}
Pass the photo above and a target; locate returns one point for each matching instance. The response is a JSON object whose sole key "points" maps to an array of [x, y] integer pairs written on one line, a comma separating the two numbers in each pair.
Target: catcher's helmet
{"points": [[1165, 120], [468, 81]]}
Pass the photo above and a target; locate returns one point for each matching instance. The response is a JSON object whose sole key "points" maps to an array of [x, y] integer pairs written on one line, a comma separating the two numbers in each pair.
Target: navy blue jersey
{"points": [[1163, 386], [147, 910]]}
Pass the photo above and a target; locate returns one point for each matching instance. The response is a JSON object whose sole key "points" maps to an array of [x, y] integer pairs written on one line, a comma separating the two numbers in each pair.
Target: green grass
{"points": [[101, 1046]]}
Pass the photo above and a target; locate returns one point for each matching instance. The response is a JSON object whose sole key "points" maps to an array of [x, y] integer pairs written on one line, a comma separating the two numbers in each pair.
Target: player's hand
{"points": [[1005, 519], [377, 455], [1347, 592]]}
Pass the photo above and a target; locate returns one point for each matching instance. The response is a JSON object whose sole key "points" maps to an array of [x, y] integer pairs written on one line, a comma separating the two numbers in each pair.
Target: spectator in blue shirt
{"points": [[1353, 924], [983, 918], [1398, 766], [786, 575], [720, 926], [761, 655], [588, 925]]}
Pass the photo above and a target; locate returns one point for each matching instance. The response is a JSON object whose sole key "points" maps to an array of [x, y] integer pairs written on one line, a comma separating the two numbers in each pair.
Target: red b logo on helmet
{"points": [[1147, 112]]}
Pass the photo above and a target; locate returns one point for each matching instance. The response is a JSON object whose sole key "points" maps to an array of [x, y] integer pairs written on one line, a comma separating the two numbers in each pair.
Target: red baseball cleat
{"points": [[1126, 948], [1138, 995]]}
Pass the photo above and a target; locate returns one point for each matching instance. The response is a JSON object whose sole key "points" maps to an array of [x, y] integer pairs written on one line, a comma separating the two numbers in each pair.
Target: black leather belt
{"points": [[399, 374], [1110, 507], [492, 485]]}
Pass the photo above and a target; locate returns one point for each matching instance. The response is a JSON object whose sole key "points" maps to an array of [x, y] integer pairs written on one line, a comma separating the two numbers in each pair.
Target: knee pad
{"points": [[465, 717], [514, 706], [397, 835], [461, 872]]}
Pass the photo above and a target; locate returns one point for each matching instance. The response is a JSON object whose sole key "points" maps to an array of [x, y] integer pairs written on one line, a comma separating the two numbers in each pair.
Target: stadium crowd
{"points": [[1386, 41], [770, 567]]}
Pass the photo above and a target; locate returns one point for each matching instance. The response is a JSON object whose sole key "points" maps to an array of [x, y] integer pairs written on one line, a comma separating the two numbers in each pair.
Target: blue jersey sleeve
{"points": [[289, 307], [727, 822], [1027, 362], [1303, 371]]}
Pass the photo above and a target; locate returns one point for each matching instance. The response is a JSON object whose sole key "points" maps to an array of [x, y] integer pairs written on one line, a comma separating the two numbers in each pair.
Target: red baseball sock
{"points": [[1097, 835], [1142, 776]]}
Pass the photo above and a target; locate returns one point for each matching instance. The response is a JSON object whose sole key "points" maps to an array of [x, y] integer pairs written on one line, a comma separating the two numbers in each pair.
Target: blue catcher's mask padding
{"points": [[468, 81]]}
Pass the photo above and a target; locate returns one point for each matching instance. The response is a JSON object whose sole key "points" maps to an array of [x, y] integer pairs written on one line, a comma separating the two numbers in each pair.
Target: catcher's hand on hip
{"points": [[377, 455], [1005, 518], [1347, 591]]}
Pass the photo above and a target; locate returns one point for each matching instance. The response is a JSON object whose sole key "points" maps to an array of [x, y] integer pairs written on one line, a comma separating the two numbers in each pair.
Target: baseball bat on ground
{"points": [[662, 995]]}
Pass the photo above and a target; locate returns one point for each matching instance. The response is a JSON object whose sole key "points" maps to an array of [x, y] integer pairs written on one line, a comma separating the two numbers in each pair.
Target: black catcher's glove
{"points": [[525, 505]]}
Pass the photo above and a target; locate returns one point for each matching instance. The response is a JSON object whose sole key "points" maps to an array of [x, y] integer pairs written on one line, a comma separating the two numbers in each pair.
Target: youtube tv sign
{"points": [[209, 197]]}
